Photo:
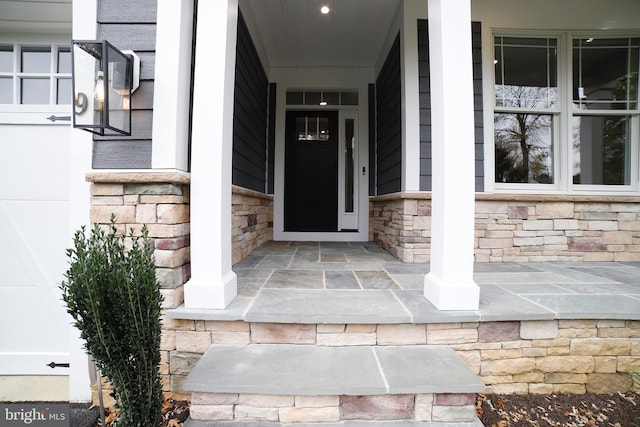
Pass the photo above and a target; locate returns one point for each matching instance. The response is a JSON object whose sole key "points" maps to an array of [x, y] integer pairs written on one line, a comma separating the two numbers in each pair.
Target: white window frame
{"points": [[634, 162], [563, 119], [16, 113]]}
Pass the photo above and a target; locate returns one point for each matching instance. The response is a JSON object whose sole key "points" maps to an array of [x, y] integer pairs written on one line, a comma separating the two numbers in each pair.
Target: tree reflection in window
{"points": [[526, 94], [524, 148]]}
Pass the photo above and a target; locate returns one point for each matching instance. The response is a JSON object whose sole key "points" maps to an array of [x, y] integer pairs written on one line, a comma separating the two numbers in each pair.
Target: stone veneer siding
{"points": [[438, 407], [160, 200], [252, 221], [522, 357], [517, 228]]}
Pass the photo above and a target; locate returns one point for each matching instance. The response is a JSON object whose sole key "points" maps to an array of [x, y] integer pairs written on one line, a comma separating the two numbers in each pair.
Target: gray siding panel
{"points": [[138, 11], [389, 124], [143, 97], [134, 30], [147, 65], [131, 154], [425, 105], [136, 37], [141, 127]]}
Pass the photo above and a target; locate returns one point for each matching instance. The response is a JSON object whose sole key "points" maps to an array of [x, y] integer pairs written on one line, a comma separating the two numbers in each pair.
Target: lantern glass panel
{"points": [[102, 81]]}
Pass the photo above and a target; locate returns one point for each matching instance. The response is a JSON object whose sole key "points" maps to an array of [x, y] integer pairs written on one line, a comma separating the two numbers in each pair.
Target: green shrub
{"points": [[635, 376], [114, 297]]}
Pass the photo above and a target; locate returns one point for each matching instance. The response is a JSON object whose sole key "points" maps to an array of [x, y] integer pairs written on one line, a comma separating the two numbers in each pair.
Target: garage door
{"points": [[34, 234]]}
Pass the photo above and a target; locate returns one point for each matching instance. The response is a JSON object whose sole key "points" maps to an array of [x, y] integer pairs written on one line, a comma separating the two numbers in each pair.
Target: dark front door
{"points": [[311, 171]]}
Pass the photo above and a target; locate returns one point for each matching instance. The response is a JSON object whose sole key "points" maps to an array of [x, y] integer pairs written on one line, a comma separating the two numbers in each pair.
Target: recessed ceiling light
{"points": [[324, 10]]}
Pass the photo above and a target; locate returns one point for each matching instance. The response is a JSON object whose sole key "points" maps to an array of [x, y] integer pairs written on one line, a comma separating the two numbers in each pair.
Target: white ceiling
{"points": [[19, 16], [295, 34]]}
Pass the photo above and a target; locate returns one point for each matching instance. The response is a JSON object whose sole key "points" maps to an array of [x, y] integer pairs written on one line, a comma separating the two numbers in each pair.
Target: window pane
{"points": [[312, 98], [6, 90], [349, 98], [601, 150], [605, 73], [294, 98], [34, 91], [63, 95], [36, 60], [6, 59], [349, 143], [526, 72], [524, 148], [312, 128], [64, 60], [331, 98]]}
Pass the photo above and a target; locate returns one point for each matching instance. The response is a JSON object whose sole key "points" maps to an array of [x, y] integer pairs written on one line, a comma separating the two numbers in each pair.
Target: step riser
{"points": [[193, 423], [446, 408]]}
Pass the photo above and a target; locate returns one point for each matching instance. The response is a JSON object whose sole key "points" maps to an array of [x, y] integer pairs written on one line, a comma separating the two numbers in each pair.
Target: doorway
{"points": [[311, 171]]}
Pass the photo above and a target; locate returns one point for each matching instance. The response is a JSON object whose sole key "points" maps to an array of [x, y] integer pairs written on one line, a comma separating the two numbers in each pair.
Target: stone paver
{"points": [[282, 369], [343, 282], [434, 369], [327, 306], [287, 369]]}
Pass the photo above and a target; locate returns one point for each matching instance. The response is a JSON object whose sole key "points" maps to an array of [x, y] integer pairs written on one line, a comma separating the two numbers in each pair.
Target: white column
{"points": [[213, 284], [80, 146], [450, 285], [410, 96], [172, 84]]}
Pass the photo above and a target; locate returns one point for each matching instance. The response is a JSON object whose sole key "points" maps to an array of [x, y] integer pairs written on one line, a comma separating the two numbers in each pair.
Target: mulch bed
{"points": [[559, 410], [174, 414]]}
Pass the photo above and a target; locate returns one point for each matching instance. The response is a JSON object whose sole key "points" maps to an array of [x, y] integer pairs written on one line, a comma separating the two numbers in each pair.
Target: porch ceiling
{"points": [[295, 34]]}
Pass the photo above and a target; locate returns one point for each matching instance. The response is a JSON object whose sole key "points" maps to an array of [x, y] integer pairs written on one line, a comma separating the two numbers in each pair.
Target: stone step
{"points": [[297, 385], [396, 423]]}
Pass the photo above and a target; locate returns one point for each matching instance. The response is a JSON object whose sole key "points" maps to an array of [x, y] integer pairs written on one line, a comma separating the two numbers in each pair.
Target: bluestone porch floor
{"points": [[336, 282]]}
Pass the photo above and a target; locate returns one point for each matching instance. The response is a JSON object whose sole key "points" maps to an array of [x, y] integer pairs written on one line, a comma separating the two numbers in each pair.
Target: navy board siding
{"points": [[372, 138], [389, 123], [271, 137], [250, 115], [425, 105], [134, 30]]}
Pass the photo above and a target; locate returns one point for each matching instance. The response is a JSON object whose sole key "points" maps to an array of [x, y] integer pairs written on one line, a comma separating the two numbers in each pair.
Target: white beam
{"points": [[84, 28], [213, 284], [450, 285], [410, 96], [172, 84]]}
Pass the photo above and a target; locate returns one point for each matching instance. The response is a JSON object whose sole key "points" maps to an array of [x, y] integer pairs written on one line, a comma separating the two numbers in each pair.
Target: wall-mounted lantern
{"points": [[103, 80]]}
